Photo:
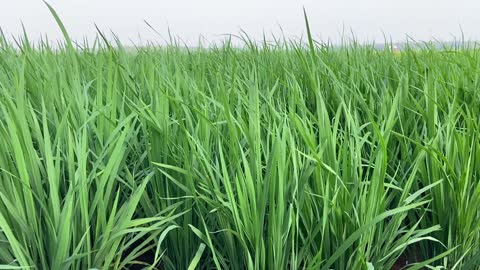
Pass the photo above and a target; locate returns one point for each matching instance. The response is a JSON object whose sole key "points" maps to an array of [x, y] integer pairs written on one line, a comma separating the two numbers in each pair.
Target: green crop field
{"points": [[269, 156]]}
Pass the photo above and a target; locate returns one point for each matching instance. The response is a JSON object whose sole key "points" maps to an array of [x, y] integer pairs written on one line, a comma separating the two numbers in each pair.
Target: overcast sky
{"points": [[369, 20]]}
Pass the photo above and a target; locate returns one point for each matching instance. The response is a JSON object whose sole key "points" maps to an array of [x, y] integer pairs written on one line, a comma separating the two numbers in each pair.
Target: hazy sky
{"points": [[367, 19]]}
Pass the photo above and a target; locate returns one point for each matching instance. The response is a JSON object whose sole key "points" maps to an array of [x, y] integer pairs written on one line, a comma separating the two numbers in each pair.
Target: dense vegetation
{"points": [[266, 157]]}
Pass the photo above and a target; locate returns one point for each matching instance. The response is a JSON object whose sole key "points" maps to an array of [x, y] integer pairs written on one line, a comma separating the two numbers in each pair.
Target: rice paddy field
{"points": [[269, 156]]}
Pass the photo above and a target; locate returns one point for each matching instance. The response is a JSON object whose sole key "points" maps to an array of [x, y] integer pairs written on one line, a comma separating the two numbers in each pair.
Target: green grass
{"points": [[278, 156]]}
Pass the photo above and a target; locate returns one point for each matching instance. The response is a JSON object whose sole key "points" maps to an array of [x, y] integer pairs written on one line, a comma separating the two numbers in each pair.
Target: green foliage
{"points": [[266, 157]]}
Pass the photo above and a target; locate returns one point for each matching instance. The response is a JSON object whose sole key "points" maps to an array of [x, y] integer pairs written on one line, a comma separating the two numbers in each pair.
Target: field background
{"points": [[278, 156]]}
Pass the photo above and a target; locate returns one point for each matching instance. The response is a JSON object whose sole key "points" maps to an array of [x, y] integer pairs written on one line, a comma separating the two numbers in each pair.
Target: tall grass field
{"points": [[268, 156]]}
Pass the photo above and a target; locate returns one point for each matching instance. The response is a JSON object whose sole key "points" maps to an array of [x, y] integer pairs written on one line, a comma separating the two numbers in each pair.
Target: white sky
{"points": [[369, 20]]}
